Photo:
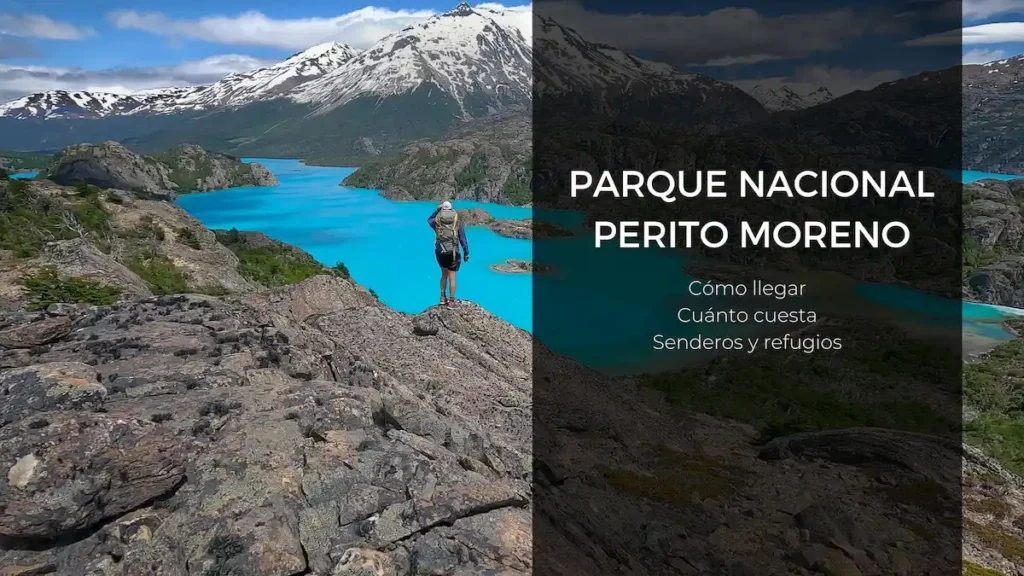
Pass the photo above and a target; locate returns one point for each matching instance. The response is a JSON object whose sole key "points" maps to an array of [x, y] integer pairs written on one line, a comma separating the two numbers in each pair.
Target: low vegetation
{"points": [[28, 220], [159, 273], [47, 286], [888, 380], [273, 263], [994, 392]]}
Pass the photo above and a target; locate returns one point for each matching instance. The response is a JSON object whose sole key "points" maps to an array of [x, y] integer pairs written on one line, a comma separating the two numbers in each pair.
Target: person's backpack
{"points": [[447, 231]]}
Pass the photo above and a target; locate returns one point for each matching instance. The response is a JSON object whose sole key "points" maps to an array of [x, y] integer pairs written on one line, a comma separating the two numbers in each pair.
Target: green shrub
{"points": [[274, 268], [189, 238], [4, 175], [47, 287], [83, 190], [340, 270], [473, 173], [162, 276], [29, 220], [113, 198], [274, 264]]}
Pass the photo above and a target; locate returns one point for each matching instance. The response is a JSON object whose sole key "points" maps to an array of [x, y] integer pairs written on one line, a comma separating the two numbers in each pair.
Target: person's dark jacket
{"points": [[432, 221]]}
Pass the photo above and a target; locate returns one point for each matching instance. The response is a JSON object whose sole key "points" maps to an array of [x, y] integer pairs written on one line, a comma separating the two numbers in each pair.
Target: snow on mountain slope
{"points": [[785, 98], [64, 104], [231, 91], [461, 52], [264, 83]]}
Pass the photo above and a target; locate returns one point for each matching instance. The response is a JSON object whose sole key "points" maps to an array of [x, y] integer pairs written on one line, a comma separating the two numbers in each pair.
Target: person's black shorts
{"points": [[448, 260]]}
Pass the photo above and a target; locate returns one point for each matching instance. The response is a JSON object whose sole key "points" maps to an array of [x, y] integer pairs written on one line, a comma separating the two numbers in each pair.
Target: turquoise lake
{"points": [[968, 176], [388, 247]]}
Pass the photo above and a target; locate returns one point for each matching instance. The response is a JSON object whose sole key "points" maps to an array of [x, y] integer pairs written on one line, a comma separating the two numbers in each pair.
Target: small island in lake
{"points": [[512, 266]]}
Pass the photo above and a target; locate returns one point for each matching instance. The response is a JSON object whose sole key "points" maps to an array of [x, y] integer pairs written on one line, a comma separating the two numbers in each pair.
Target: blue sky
{"points": [[121, 46]]}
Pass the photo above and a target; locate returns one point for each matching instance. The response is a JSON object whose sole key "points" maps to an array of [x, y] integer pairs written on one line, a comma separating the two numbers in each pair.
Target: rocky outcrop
{"points": [[182, 170], [307, 429], [993, 235], [194, 169], [520, 267], [486, 160], [131, 244], [310, 429], [110, 165], [526, 229]]}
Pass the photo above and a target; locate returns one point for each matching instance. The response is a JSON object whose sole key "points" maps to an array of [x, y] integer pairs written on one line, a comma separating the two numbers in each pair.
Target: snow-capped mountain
{"points": [[461, 52], [568, 64], [232, 91], [785, 98], [264, 83], [64, 104]]}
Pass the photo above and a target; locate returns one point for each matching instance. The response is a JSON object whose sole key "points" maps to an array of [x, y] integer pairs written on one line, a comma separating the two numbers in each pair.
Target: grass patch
{"points": [[272, 263], [159, 273], [972, 569], [47, 287]]}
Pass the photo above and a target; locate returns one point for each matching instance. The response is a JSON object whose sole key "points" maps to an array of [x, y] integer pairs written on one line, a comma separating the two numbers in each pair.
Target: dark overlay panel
{"points": [[747, 284]]}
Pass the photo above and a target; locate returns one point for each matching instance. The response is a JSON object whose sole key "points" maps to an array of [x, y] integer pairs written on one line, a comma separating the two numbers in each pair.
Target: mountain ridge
{"points": [[785, 98]]}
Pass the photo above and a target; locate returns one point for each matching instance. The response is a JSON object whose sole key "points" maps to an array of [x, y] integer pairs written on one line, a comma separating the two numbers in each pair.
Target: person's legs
{"points": [[442, 262], [456, 263]]}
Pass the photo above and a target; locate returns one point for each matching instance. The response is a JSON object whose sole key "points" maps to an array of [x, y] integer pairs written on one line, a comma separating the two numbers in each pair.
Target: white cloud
{"points": [[994, 33], [360, 28], [37, 26], [18, 81], [727, 35], [838, 80], [981, 56]]}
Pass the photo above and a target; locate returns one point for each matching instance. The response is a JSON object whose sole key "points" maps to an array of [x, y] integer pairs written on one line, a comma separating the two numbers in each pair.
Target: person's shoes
{"points": [[451, 303]]}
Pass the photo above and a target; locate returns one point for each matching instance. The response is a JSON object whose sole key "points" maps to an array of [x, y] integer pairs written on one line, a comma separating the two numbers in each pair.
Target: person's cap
{"points": [[446, 205]]}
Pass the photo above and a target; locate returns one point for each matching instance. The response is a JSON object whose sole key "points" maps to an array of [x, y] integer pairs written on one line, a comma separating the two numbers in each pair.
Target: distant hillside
{"points": [[487, 160], [24, 161], [993, 116]]}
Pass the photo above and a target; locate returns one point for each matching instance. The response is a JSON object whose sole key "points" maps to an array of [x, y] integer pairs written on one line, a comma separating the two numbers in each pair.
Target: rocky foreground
{"points": [[287, 423], [303, 430]]}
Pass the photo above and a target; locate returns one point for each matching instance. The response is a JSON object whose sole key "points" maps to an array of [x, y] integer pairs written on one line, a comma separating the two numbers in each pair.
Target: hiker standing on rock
{"points": [[449, 235]]}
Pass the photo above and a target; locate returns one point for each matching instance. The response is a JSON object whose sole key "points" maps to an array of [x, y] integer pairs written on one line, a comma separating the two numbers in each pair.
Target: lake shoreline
{"points": [[388, 247]]}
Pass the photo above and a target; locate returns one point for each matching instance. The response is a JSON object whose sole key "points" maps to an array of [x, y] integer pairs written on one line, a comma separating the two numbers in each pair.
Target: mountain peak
{"points": [[463, 9], [323, 49], [786, 98]]}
